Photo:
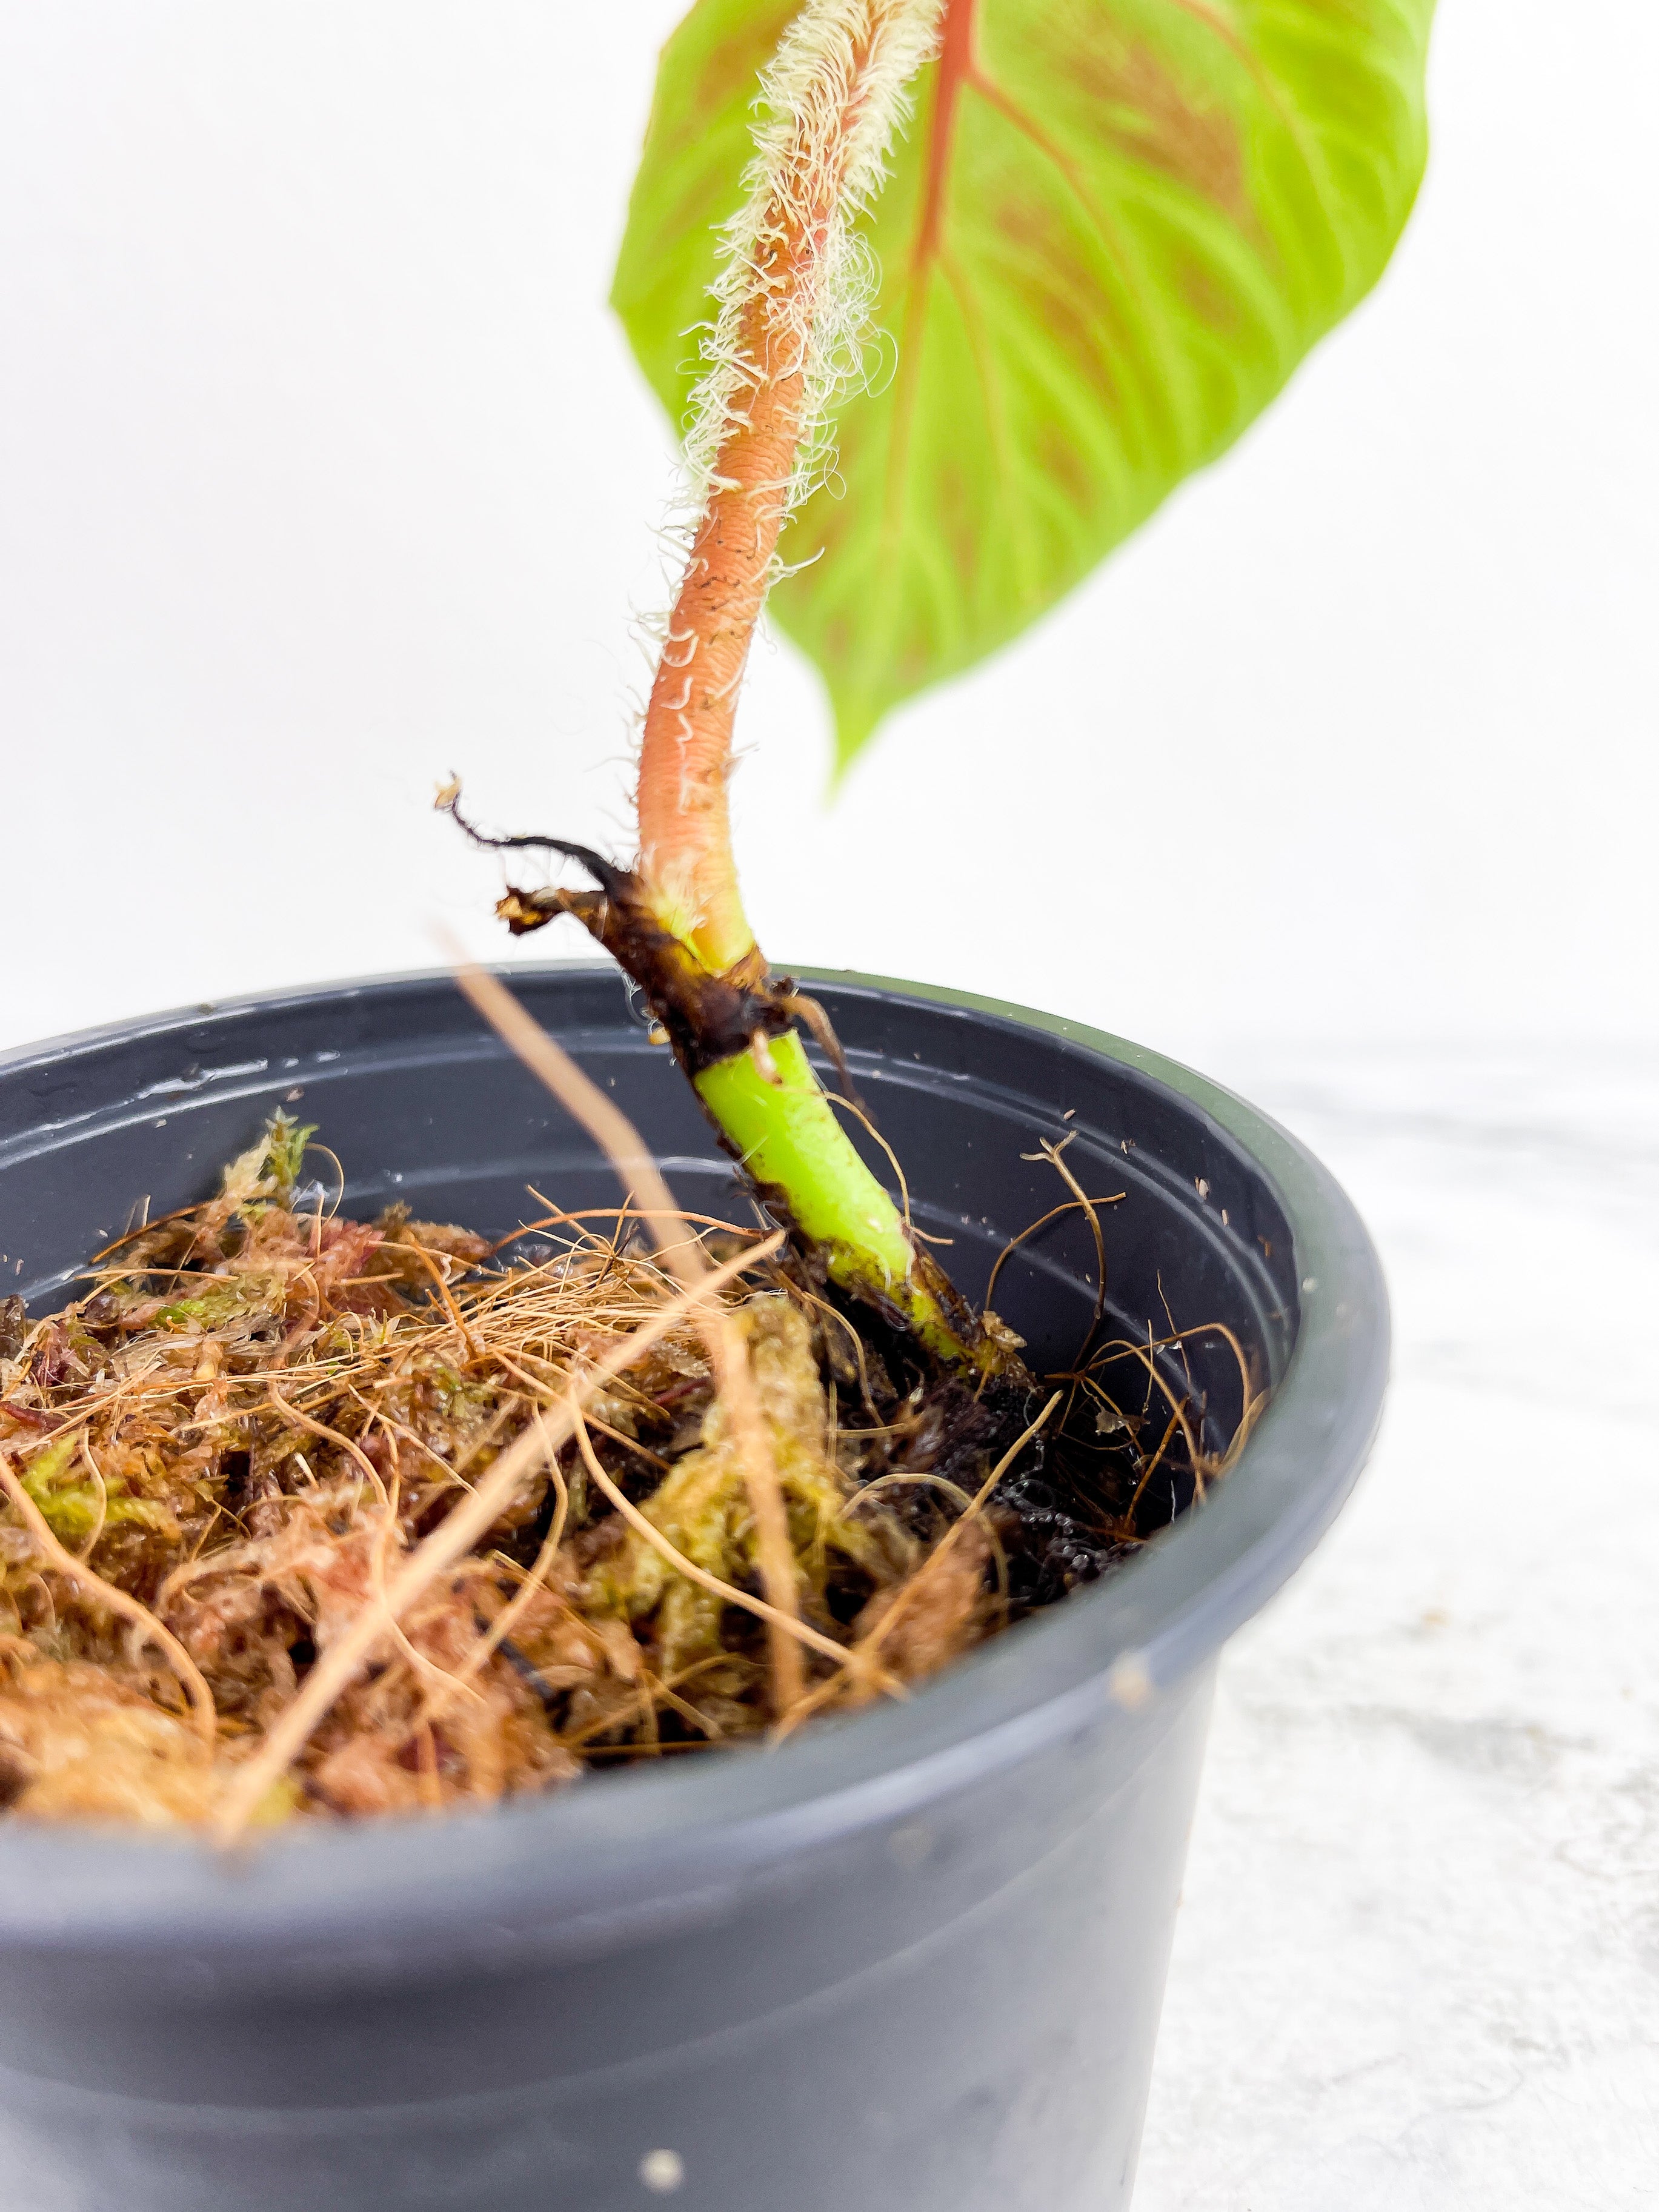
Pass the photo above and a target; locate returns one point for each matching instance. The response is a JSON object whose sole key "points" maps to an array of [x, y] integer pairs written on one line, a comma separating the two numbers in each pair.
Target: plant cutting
{"points": [[1099, 239], [1115, 231], [320, 1373]]}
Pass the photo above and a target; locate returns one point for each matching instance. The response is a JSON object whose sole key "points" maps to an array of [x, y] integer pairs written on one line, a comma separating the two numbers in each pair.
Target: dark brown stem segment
{"points": [[708, 1018]]}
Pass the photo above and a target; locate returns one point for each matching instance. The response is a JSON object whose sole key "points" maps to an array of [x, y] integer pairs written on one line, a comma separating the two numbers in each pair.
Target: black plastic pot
{"points": [[911, 1962]]}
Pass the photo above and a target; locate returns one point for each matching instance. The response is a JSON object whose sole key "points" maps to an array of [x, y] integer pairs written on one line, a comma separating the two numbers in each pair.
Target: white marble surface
{"points": [[1417, 1964]]}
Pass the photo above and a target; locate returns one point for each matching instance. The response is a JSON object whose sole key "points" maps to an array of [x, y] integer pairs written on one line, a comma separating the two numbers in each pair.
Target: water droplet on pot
{"points": [[910, 1845], [662, 2171]]}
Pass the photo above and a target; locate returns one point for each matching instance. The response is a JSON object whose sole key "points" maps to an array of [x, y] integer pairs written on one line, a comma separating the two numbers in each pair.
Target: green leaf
{"points": [[1115, 228]]}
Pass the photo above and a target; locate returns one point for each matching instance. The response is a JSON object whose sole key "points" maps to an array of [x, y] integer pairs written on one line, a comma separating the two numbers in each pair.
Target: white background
{"points": [[324, 471]]}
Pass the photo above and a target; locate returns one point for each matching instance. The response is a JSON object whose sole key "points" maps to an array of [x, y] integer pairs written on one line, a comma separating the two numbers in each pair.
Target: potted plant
{"points": [[912, 1957]]}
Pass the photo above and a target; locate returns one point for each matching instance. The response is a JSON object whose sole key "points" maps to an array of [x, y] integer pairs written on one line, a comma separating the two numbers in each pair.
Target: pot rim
{"points": [[582, 1869]]}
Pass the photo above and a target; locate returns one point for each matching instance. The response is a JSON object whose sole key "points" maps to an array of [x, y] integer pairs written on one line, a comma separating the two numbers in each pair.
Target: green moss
{"points": [[270, 1169], [702, 1506], [72, 1507], [285, 1150], [226, 1298]]}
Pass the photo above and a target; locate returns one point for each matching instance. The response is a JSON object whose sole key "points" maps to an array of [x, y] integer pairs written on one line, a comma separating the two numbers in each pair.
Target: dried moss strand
{"points": [[1065, 1205], [511, 1613], [1054, 1154]]}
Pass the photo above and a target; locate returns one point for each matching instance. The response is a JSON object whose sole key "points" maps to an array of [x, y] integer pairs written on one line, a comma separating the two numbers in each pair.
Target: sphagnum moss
{"points": [[304, 1515], [217, 1461]]}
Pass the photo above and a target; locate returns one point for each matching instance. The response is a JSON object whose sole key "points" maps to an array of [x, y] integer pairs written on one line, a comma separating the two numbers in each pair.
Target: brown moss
{"points": [[215, 1462], [258, 1411]]}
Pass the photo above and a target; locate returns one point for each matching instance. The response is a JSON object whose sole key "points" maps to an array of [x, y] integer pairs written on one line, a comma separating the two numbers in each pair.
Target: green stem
{"points": [[732, 1034], [791, 1144]]}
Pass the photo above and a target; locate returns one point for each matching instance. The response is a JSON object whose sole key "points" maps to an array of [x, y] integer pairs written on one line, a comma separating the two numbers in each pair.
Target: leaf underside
{"points": [[1114, 228]]}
